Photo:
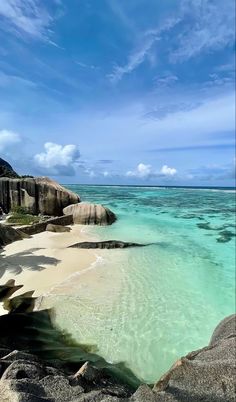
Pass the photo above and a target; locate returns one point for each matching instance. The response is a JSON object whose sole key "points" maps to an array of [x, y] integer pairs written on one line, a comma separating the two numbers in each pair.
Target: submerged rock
{"points": [[57, 228], [225, 236], [90, 214], [39, 195], [109, 244]]}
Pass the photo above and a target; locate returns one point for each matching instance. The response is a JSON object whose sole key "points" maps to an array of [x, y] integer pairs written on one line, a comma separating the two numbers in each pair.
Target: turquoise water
{"points": [[162, 301]]}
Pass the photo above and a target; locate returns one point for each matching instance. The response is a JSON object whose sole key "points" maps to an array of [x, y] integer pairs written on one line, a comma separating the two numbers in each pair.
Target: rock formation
{"points": [[6, 170], [8, 235], [206, 375], [90, 214], [109, 244], [37, 195], [57, 228]]}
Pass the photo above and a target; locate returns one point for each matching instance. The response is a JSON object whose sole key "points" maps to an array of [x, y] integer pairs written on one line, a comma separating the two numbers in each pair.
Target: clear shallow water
{"points": [[149, 306]]}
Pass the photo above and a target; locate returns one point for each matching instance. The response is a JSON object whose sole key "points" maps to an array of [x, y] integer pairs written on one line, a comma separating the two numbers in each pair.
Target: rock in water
{"points": [[8, 235], [106, 244], [36, 195], [90, 214], [57, 228]]}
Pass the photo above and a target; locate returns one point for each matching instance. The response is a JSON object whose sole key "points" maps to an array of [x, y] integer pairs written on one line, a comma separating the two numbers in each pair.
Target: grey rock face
{"points": [[57, 228], [8, 235], [6, 170], [109, 244], [207, 374], [225, 329], [25, 378], [36, 195], [90, 214]]}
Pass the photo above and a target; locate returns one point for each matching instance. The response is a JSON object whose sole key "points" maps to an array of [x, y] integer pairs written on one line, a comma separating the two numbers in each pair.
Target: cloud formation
{"points": [[26, 17], [8, 139], [146, 172], [208, 26], [139, 55], [167, 171], [57, 159]]}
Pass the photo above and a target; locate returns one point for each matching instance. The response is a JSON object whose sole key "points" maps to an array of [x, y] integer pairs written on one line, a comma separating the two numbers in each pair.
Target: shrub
{"points": [[17, 209]]}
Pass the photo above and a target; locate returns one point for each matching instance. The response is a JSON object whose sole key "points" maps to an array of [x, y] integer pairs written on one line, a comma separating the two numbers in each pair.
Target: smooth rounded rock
{"points": [[90, 214], [57, 228]]}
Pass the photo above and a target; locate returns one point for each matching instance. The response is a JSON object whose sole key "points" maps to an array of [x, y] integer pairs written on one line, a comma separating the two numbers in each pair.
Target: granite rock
{"points": [[57, 228], [39, 195], [90, 214], [109, 244], [9, 234]]}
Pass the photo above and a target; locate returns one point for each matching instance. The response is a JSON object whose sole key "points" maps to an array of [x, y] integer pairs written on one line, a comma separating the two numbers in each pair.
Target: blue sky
{"points": [[119, 91]]}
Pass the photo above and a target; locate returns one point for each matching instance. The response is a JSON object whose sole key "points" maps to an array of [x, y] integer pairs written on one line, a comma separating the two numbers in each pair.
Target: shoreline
{"points": [[43, 262]]}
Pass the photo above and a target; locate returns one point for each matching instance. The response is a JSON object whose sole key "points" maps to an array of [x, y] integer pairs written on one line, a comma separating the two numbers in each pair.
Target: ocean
{"points": [[149, 306]]}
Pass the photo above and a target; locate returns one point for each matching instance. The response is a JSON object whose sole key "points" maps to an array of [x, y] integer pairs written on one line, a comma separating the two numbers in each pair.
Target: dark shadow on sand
{"points": [[25, 260]]}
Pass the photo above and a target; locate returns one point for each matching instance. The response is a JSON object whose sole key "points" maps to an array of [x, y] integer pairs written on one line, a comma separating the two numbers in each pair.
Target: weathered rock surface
{"points": [[90, 214], [57, 228], [6, 170], [207, 374], [42, 226], [109, 244], [24, 377], [9, 234], [36, 195]]}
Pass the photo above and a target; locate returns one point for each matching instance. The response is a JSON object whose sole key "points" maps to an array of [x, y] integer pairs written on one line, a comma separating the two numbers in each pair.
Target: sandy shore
{"points": [[44, 261]]}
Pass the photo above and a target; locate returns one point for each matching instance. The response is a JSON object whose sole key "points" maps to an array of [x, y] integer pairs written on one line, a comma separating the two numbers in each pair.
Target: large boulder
{"points": [[8, 235], [90, 214], [36, 195], [207, 374]]}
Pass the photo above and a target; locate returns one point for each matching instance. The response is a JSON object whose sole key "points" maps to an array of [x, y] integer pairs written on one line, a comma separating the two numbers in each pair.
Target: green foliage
{"points": [[17, 218], [17, 209]]}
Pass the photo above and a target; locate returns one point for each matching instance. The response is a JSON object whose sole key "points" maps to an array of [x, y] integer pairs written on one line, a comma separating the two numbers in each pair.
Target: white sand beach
{"points": [[44, 260]]}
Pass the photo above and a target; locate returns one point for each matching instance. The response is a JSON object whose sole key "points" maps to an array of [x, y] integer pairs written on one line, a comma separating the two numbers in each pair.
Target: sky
{"points": [[119, 91]]}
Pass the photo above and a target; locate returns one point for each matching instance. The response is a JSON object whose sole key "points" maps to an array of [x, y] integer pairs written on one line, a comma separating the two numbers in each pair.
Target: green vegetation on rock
{"points": [[19, 216]]}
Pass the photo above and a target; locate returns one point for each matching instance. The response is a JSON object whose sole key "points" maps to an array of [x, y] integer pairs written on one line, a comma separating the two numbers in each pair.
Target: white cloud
{"points": [[206, 25], [57, 159], [143, 171], [166, 80], [89, 172], [139, 55], [8, 139], [167, 171], [10, 79], [202, 26], [135, 59], [26, 17]]}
